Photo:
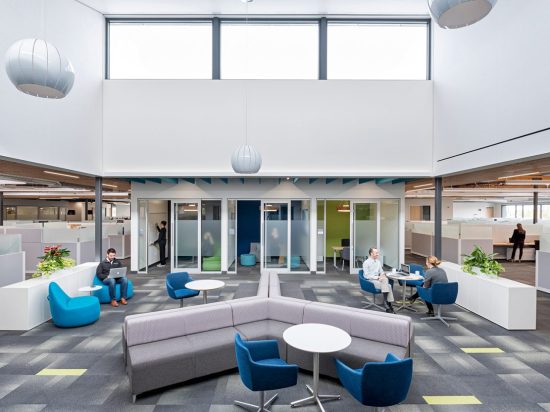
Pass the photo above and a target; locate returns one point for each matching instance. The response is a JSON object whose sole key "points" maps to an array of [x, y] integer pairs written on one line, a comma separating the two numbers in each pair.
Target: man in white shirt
{"points": [[372, 270]]}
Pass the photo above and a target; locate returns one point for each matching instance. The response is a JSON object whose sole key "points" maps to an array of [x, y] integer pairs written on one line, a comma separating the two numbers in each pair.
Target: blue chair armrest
{"points": [[169, 286], [390, 357], [266, 349], [425, 294], [351, 379], [267, 377]]}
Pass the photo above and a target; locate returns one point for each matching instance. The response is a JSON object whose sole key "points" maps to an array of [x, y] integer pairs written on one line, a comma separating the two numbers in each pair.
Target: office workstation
{"points": [[264, 205]]}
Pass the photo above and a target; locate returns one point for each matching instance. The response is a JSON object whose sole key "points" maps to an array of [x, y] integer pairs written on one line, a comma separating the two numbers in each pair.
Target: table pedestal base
{"points": [[204, 296], [318, 399], [256, 408]]}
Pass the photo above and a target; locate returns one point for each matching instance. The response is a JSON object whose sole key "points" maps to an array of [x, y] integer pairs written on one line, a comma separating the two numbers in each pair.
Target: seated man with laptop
{"points": [[111, 272]]}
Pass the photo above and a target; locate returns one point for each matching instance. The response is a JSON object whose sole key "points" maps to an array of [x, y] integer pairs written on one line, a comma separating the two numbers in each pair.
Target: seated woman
{"points": [[434, 275]]}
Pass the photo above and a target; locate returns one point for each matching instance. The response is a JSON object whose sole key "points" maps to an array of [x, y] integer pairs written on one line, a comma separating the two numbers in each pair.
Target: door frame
{"points": [[352, 269], [263, 202]]}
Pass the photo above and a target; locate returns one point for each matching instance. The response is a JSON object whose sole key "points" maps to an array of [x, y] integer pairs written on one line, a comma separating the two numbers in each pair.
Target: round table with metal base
{"points": [[402, 277], [204, 286], [90, 289], [316, 338]]}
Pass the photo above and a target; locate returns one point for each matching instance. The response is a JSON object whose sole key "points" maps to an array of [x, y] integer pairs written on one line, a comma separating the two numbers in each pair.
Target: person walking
{"points": [[161, 242], [518, 239]]}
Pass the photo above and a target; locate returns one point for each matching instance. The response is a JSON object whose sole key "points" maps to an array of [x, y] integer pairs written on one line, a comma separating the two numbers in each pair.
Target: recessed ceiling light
{"points": [[424, 185], [109, 185], [61, 174], [11, 182]]}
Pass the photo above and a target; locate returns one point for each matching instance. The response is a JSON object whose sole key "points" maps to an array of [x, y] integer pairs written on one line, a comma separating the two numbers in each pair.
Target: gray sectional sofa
{"points": [[173, 346]]}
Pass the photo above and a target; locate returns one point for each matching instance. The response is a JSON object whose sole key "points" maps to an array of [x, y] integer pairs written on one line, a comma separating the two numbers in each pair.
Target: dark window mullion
{"points": [[216, 51]]}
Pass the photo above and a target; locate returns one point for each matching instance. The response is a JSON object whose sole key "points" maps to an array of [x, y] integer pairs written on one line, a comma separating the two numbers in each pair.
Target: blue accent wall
{"points": [[248, 224]]}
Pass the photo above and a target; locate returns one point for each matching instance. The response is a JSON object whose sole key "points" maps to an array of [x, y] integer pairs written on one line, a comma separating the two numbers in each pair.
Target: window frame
{"points": [[322, 23]]}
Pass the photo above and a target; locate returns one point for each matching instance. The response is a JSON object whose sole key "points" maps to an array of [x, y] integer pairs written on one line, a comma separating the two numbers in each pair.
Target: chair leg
{"points": [[181, 303], [256, 408], [439, 317], [373, 303]]}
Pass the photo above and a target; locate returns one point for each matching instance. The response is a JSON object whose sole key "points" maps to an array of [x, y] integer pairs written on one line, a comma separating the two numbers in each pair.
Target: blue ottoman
{"points": [[248, 259], [103, 293], [70, 312]]}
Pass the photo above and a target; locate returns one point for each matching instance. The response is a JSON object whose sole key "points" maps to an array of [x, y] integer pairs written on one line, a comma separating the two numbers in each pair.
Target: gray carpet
{"points": [[516, 380]]}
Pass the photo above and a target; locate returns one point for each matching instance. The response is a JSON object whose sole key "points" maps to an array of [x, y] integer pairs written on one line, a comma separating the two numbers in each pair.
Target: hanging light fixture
{"points": [[246, 159], [453, 14], [343, 208]]}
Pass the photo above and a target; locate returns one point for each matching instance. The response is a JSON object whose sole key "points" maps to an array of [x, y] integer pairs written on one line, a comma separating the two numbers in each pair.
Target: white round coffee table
{"points": [[204, 286], [89, 289], [404, 277], [316, 338]]}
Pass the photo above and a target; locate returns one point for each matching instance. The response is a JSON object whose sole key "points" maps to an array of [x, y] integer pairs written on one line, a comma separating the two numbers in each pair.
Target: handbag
{"points": [[511, 239]]}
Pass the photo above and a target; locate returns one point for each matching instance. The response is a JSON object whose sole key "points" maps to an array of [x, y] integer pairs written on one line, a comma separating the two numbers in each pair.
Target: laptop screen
{"points": [[405, 268]]}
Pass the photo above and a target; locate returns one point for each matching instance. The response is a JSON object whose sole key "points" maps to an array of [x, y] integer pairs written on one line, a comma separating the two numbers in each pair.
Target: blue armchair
{"points": [[261, 369], [70, 312], [414, 283], [103, 293], [175, 286], [439, 294], [378, 384], [368, 287]]}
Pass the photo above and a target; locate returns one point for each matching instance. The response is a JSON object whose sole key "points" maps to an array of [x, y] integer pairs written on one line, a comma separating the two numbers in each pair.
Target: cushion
{"points": [[208, 317], [392, 329], [327, 314], [274, 285], [287, 310], [248, 310], [214, 350], [265, 329]]}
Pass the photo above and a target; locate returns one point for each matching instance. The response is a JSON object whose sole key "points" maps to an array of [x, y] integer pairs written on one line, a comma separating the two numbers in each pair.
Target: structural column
{"points": [[535, 207], [98, 218], [438, 215], [1, 208]]}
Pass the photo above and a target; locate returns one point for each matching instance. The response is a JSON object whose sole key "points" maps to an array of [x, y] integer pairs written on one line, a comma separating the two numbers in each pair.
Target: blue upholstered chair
{"points": [[175, 285], [248, 259], [103, 293], [368, 287], [378, 384], [414, 283], [261, 369], [439, 294], [70, 312]]}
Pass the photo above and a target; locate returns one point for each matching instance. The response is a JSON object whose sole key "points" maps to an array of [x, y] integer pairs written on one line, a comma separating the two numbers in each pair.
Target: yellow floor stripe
{"points": [[451, 400], [482, 350], [61, 372]]}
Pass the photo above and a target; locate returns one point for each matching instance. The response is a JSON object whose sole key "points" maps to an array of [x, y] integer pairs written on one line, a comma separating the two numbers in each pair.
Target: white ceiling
{"points": [[259, 7]]}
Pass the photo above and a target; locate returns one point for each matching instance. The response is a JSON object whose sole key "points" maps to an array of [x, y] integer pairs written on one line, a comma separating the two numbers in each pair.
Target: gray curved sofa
{"points": [[173, 346]]}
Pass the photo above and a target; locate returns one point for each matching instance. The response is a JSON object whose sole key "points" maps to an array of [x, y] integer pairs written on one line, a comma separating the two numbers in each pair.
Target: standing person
{"points": [[372, 270], [433, 275], [518, 239], [161, 241], [102, 273]]}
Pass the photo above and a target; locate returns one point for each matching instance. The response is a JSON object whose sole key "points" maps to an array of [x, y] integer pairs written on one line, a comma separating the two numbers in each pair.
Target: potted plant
{"points": [[54, 258], [479, 262]]}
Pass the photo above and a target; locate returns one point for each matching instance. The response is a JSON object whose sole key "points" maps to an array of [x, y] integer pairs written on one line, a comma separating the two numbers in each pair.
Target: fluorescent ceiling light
{"points": [[424, 185], [61, 174], [523, 174], [11, 182], [109, 185]]}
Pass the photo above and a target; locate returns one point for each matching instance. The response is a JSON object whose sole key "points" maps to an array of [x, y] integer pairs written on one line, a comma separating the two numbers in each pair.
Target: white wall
{"points": [[469, 210], [446, 207], [300, 127], [491, 83], [64, 133]]}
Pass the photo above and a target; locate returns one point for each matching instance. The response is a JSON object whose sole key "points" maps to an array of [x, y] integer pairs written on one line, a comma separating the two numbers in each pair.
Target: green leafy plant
{"points": [[484, 261], [54, 258]]}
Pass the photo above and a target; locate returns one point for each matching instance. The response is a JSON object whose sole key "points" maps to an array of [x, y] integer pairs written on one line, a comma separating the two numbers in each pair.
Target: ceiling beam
{"points": [[347, 180], [312, 180], [154, 180], [224, 180], [171, 180], [189, 180], [329, 180], [207, 180], [383, 180], [365, 180]]}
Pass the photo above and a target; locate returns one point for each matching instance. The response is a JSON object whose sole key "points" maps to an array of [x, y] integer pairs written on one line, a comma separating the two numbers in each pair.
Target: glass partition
{"points": [[389, 231], [211, 235], [275, 234], [48, 213], [186, 223], [27, 213], [232, 235], [10, 244], [142, 238], [299, 236], [365, 232], [321, 236]]}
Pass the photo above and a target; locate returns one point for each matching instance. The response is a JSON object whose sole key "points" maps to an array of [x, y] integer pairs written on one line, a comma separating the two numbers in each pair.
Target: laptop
{"points": [[405, 269], [116, 273]]}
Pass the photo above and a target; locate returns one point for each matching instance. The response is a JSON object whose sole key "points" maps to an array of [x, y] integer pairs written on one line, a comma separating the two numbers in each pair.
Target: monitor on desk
{"points": [[406, 269]]}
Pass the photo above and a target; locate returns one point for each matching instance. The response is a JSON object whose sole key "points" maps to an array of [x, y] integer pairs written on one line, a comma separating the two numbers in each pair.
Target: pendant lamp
{"points": [[453, 14], [36, 67], [246, 159]]}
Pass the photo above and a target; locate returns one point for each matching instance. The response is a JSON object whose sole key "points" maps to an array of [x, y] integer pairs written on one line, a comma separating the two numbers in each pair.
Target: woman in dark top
{"points": [[161, 241], [433, 275], [518, 239]]}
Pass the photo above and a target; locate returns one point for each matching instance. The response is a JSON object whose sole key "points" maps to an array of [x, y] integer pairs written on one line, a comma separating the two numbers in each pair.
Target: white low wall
{"points": [[12, 268], [25, 305], [507, 303]]}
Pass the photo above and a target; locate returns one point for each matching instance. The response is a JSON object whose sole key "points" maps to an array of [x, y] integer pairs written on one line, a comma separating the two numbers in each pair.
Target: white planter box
{"points": [[507, 303], [25, 305]]}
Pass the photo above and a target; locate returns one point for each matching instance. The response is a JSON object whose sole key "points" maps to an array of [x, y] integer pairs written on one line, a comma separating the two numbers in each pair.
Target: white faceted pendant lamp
{"points": [[36, 67], [453, 14], [246, 159]]}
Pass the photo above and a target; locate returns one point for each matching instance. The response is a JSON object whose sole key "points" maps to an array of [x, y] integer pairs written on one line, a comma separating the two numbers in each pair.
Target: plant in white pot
{"points": [[479, 262]]}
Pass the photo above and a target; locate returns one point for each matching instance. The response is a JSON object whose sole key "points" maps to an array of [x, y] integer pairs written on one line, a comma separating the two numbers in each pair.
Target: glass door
{"points": [[232, 236], [211, 236], [389, 231], [186, 236], [321, 245], [365, 233], [299, 236], [275, 235], [142, 237]]}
